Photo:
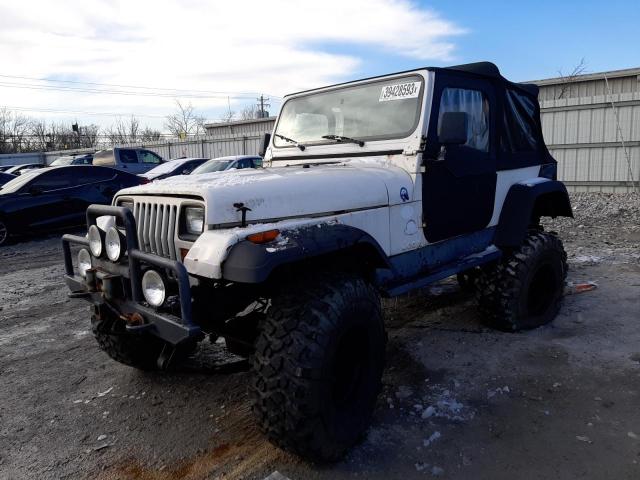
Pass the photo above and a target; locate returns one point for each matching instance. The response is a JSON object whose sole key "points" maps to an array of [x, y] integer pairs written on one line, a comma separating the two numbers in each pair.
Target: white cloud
{"points": [[240, 46]]}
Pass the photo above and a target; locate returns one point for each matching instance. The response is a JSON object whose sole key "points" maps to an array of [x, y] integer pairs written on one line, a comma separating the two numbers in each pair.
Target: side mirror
{"points": [[453, 128], [266, 138]]}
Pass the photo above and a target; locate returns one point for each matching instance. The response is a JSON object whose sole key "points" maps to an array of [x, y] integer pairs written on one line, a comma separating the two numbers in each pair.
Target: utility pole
{"points": [[262, 103]]}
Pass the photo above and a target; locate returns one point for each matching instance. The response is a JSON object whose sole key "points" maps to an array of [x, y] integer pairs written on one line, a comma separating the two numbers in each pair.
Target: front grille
{"points": [[156, 224]]}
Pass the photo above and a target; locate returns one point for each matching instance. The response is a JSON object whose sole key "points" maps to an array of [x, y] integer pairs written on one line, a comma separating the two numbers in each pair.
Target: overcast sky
{"points": [[216, 54]]}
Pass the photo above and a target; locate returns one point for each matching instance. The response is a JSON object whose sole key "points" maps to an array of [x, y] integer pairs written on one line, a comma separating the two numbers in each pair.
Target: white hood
{"points": [[286, 192]]}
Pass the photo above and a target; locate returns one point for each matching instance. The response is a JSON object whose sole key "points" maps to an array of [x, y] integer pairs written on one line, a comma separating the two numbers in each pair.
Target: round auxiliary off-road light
{"points": [[113, 244], [153, 288], [95, 241], [84, 262]]}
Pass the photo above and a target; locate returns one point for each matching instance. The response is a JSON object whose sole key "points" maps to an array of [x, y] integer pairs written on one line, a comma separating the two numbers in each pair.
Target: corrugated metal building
{"points": [[591, 124], [248, 128]]}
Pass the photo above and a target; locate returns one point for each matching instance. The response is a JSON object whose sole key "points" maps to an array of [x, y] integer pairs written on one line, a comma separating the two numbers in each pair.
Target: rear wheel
{"points": [[524, 290], [318, 365], [467, 279]]}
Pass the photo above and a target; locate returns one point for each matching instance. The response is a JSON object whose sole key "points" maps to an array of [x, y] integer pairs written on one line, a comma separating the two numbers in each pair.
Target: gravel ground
{"points": [[459, 401]]}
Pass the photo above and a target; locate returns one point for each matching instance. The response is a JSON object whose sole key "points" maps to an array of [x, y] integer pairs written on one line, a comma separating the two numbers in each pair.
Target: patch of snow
{"points": [[102, 394], [428, 441], [437, 471], [428, 412], [499, 390], [586, 259]]}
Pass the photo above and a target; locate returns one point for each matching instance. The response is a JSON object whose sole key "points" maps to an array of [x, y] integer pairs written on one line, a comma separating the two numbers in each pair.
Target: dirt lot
{"points": [[460, 401]]}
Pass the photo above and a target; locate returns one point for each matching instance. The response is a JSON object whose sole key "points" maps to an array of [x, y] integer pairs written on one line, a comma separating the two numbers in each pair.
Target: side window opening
{"points": [[128, 156], [476, 105], [520, 124], [148, 157]]}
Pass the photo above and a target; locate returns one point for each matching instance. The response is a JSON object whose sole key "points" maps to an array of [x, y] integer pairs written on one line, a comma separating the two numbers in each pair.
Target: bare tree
{"points": [[124, 131], [14, 130], [249, 112], [566, 81], [185, 121], [89, 136], [150, 135]]}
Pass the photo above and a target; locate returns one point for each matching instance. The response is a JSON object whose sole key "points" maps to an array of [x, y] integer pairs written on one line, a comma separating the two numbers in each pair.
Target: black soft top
{"points": [[491, 70]]}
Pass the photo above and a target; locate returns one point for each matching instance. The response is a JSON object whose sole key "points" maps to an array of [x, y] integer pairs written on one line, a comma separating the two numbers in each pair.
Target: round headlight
{"points": [[84, 262], [113, 244], [95, 241], [153, 288]]}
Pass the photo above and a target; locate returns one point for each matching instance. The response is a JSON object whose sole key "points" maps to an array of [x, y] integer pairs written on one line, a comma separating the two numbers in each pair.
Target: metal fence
{"points": [[205, 146], [22, 158], [595, 150]]}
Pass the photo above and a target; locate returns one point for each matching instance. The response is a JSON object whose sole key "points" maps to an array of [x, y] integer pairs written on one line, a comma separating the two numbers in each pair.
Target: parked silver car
{"points": [[229, 163]]}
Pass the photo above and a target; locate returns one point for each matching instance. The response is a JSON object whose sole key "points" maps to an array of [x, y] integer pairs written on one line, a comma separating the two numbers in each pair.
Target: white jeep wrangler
{"points": [[372, 188]]}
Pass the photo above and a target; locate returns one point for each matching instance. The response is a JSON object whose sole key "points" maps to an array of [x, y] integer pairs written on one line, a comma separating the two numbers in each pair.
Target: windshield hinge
{"points": [[408, 152]]}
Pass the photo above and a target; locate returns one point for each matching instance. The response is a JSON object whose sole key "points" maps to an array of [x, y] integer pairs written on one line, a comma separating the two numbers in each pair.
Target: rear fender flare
{"points": [[525, 203]]}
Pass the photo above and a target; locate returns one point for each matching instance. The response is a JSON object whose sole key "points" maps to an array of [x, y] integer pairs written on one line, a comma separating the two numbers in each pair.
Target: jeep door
{"points": [[459, 181]]}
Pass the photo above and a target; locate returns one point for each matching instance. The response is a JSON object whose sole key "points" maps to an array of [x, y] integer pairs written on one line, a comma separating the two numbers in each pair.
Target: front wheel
{"points": [[143, 351], [318, 365], [524, 290]]}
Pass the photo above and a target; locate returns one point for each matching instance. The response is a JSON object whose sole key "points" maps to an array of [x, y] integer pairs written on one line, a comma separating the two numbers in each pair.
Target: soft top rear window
{"points": [[520, 123]]}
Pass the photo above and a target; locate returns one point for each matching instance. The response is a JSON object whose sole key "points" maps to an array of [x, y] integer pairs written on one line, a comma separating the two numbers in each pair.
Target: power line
{"points": [[114, 92], [223, 94], [79, 112]]}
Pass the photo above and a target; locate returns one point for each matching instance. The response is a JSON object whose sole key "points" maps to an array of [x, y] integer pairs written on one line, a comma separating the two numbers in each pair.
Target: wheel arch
{"points": [[525, 203], [323, 244]]}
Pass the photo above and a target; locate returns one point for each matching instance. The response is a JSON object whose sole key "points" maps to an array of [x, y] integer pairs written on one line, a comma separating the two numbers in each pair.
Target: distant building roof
{"points": [[238, 122], [627, 72]]}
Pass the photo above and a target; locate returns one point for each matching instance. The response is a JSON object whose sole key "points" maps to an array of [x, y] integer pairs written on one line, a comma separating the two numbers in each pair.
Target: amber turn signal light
{"points": [[263, 237]]}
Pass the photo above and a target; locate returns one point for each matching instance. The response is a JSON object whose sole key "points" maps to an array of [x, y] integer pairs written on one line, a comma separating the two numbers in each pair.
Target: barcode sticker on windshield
{"points": [[399, 91]]}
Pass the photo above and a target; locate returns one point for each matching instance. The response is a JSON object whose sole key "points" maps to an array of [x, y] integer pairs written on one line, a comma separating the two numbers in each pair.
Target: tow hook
{"points": [[133, 319], [136, 323]]}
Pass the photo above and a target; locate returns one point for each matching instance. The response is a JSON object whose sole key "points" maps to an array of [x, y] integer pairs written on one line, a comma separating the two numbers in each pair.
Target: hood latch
{"points": [[241, 208]]}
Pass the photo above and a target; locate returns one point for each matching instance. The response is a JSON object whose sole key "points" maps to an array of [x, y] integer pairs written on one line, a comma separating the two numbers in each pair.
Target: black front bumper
{"points": [[127, 302]]}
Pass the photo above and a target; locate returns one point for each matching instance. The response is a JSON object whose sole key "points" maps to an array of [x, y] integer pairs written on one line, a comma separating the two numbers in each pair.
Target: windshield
{"points": [[373, 111], [18, 182], [61, 161], [212, 166], [166, 167]]}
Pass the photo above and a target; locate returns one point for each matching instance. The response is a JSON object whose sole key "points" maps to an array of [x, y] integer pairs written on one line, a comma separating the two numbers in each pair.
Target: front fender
{"points": [[248, 262], [525, 203]]}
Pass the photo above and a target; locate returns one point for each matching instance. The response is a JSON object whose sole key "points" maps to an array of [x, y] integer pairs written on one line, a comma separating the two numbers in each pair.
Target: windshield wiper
{"points": [[342, 139], [290, 140]]}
